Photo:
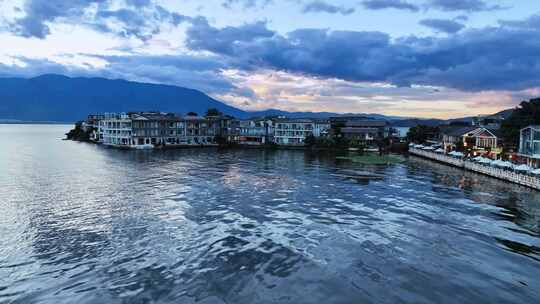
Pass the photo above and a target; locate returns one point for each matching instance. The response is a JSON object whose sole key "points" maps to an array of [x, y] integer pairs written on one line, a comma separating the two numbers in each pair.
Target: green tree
{"points": [[213, 112], [310, 141], [528, 113], [421, 133]]}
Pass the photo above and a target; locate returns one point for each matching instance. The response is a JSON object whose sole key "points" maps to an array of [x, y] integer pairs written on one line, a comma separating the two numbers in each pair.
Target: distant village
{"points": [[148, 130], [485, 138]]}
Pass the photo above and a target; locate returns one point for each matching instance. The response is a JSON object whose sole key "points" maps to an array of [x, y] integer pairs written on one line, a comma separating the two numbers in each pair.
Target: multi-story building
{"points": [[201, 130], [292, 132], [529, 145], [115, 130], [152, 129], [321, 127], [255, 131], [155, 129], [359, 128]]}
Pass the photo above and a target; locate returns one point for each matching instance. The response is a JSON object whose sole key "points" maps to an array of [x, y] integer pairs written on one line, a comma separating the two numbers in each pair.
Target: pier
{"points": [[503, 174]]}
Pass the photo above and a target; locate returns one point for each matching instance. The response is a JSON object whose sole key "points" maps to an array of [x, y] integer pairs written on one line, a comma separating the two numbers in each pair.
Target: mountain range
{"points": [[58, 98]]}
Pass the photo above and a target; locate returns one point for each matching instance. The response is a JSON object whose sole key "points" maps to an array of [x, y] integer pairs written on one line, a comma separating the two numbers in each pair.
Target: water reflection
{"points": [[81, 223]]}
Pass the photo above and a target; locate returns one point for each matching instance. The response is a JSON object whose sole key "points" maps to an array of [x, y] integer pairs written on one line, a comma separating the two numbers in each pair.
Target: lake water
{"points": [[80, 223]]}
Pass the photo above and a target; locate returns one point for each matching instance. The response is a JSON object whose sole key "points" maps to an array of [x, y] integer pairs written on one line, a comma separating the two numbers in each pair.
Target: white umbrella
{"points": [[507, 164], [429, 148], [411, 145], [523, 168], [478, 158], [496, 162], [418, 146], [485, 161], [502, 164], [439, 150], [536, 171]]}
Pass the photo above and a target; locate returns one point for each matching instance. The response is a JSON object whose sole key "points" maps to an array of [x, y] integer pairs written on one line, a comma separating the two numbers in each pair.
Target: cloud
{"points": [[229, 4], [533, 23], [142, 24], [491, 58], [463, 5], [41, 12], [443, 25], [293, 92], [385, 4], [198, 72], [140, 18], [318, 6], [223, 41]]}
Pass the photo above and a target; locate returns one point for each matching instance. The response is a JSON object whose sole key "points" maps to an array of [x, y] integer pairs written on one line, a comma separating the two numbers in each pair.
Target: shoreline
{"points": [[525, 180]]}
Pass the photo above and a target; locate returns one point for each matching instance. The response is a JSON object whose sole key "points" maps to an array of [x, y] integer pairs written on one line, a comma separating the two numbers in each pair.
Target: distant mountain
{"points": [[63, 99], [60, 98], [412, 122], [274, 112], [505, 114]]}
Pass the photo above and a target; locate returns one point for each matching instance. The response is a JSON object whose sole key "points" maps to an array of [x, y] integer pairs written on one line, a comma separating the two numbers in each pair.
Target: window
{"points": [[536, 135], [536, 148]]}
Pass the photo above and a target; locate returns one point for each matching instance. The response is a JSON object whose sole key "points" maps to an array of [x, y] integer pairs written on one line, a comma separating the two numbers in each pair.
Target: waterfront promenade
{"points": [[503, 174]]}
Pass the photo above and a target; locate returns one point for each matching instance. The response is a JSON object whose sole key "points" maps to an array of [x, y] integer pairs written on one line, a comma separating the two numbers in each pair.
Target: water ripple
{"points": [[81, 223]]}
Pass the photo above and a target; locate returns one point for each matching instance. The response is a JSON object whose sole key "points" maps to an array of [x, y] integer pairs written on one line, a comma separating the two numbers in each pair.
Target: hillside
{"points": [[57, 98], [60, 98]]}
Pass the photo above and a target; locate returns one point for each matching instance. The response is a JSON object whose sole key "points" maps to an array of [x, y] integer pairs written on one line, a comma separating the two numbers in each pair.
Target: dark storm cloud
{"points": [[141, 18], [223, 40], [395, 4], [480, 59], [202, 73], [463, 5], [443, 25], [325, 7]]}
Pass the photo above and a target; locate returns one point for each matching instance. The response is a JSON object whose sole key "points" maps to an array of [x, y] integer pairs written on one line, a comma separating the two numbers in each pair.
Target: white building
{"points": [[151, 129], [529, 145], [255, 131], [292, 132], [115, 130], [321, 127]]}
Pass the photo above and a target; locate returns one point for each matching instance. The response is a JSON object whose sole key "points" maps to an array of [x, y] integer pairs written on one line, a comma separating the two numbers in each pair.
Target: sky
{"points": [[413, 58]]}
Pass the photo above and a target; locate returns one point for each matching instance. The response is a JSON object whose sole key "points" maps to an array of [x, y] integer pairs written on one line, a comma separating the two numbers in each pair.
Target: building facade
{"points": [[529, 145], [321, 127], [255, 131], [292, 132], [141, 130], [155, 129], [478, 140], [358, 128], [115, 130]]}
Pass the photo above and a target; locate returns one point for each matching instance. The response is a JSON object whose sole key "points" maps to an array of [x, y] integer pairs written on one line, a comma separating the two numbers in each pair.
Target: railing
{"points": [[504, 174], [438, 157]]}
